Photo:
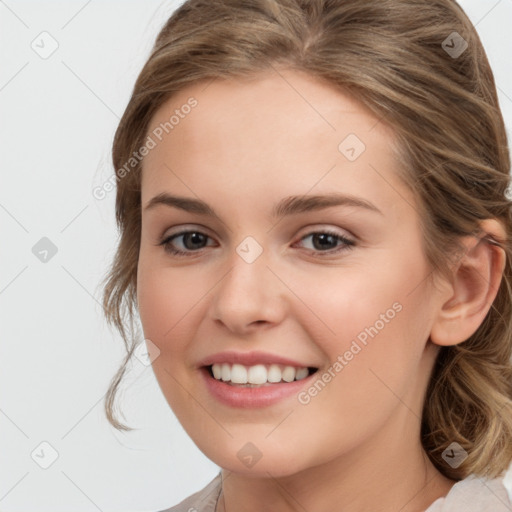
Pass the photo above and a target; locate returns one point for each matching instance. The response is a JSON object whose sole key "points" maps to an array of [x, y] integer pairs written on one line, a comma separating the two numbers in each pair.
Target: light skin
{"points": [[247, 145]]}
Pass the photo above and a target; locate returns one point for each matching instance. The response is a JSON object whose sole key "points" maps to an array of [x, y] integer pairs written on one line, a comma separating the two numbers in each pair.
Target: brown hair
{"points": [[394, 56]]}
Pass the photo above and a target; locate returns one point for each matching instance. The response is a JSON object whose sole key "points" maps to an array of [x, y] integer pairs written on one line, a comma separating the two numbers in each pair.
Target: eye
{"points": [[190, 241], [328, 242]]}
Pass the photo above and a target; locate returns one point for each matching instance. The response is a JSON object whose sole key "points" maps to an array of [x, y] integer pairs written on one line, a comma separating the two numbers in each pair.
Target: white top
{"points": [[469, 495]]}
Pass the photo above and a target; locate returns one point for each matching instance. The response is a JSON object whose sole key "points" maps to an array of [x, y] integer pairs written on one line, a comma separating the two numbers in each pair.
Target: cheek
{"points": [[168, 307], [167, 303], [355, 300], [379, 320]]}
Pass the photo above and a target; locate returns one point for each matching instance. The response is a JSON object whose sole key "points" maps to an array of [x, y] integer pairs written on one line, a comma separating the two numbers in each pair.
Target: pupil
{"points": [[322, 237], [195, 238]]}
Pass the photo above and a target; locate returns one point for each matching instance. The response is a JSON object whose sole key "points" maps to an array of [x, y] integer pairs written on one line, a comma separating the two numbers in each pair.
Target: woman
{"points": [[315, 233]]}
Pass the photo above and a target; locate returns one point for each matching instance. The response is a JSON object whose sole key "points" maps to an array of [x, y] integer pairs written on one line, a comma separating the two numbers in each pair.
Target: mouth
{"points": [[258, 375]]}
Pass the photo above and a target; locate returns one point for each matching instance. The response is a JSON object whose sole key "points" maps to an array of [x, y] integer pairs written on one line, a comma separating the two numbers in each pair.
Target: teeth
{"points": [[225, 372], [301, 373], [238, 374], [257, 374], [274, 373], [217, 371], [288, 374]]}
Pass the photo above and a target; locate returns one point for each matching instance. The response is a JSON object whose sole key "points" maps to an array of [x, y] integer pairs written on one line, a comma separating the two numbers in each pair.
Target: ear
{"points": [[475, 282]]}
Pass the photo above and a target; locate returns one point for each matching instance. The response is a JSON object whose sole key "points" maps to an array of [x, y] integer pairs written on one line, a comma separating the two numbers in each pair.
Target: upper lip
{"points": [[250, 359]]}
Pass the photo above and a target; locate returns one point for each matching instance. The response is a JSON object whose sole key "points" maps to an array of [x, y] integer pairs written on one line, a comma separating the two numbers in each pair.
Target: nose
{"points": [[250, 296]]}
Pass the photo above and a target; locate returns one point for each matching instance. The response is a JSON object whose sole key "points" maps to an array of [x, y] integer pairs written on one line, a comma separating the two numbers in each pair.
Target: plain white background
{"points": [[58, 116]]}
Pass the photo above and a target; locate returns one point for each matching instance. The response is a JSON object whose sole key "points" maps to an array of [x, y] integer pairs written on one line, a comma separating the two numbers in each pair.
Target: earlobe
{"points": [[475, 282]]}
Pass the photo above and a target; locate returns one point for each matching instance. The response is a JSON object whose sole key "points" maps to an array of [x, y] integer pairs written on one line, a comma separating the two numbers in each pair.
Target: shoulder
{"points": [[474, 494], [201, 501]]}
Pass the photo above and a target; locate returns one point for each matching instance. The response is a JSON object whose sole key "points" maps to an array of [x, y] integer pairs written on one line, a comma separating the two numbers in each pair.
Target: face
{"points": [[280, 249]]}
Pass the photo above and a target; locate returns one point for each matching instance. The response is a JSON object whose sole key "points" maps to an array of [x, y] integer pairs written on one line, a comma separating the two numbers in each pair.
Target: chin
{"points": [[258, 462]]}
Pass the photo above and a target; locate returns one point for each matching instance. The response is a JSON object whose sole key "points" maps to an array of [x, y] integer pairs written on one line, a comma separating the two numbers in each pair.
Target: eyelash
{"points": [[347, 244]]}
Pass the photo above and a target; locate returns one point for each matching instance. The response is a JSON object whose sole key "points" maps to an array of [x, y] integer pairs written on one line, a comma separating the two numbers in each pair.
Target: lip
{"points": [[250, 359], [246, 398]]}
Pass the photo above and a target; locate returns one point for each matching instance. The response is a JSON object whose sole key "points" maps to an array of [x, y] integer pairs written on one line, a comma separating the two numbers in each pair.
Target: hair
{"points": [[452, 147]]}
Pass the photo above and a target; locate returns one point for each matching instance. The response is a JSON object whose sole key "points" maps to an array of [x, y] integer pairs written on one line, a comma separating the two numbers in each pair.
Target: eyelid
{"points": [[315, 228], [349, 239], [179, 229]]}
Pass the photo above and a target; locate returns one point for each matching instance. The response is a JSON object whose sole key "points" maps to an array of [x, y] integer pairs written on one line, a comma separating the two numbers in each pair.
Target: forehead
{"points": [[278, 131]]}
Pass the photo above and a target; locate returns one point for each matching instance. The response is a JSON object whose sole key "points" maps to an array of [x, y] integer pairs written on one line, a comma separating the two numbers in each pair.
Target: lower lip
{"points": [[245, 397]]}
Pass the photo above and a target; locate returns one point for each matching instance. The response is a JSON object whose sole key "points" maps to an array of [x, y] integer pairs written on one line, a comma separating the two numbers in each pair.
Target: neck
{"points": [[391, 472]]}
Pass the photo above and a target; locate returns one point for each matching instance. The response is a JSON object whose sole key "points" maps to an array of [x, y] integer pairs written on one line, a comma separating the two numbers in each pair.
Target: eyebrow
{"points": [[287, 206]]}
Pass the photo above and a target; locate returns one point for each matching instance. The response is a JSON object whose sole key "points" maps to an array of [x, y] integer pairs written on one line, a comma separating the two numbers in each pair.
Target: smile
{"points": [[260, 386], [259, 374]]}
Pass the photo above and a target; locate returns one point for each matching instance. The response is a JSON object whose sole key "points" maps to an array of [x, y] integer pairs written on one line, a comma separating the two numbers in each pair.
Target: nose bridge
{"points": [[249, 292]]}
